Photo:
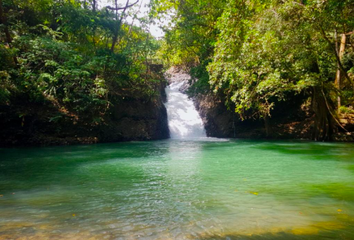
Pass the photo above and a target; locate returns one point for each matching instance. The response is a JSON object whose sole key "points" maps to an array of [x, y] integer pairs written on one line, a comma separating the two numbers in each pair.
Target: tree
{"points": [[67, 58], [262, 52]]}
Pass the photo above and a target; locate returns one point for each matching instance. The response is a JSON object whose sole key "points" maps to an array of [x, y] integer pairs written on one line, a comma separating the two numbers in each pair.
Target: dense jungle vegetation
{"points": [[81, 60], [76, 59], [257, 54], [72, 54]]}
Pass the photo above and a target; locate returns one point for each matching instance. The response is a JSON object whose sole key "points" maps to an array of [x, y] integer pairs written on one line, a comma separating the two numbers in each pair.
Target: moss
{"points": [[339, 191]]}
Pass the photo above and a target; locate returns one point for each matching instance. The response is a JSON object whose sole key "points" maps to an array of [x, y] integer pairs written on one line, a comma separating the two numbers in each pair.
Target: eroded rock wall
{"points": [[218, 120]]}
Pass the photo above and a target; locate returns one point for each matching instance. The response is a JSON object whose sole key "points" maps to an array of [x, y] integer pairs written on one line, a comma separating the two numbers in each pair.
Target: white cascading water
{"points": [[183, 119]]}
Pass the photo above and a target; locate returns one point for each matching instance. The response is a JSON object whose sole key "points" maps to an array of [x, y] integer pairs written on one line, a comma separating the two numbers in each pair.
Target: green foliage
{"points": [[192, 37], [65, 54], [54, 70], [200, 78], [346, 110], [262, 52], [5, 86]]}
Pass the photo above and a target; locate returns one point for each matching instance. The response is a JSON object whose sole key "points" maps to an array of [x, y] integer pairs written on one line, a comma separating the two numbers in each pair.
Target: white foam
{"points": [[183, 119]]}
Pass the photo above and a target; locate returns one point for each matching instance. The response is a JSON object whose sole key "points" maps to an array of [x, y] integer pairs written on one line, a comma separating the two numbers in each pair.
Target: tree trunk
{"points": [[267, 125], [324, 120], [94, 5], [131, 25], [345, 74], [337, 81], [120, 20], [3, 21], [115, 34]]}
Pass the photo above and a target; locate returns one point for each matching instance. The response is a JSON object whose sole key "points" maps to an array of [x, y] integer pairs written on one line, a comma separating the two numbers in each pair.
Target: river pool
{"points": [[174, 189]]}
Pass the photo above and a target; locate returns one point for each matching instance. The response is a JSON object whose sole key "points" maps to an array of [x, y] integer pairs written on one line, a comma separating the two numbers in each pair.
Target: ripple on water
{"points": [[173, 189]]}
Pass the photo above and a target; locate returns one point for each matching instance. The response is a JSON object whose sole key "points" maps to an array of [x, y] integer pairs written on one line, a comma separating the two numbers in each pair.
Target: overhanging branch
{"points": [[336, 55], [122, 8]]}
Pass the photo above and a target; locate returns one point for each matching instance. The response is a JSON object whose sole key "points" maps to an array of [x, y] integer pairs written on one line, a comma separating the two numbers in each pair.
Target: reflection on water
{"points": [[179, 190]]}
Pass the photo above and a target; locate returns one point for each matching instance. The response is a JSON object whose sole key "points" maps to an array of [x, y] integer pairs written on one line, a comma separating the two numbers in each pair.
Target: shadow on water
{"points": [[339, 152], [318, 151], [38, 167]]}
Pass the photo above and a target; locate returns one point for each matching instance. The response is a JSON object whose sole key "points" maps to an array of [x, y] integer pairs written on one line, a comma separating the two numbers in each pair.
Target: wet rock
{"points": [[178, 74], [218, 120], [136, 120]]}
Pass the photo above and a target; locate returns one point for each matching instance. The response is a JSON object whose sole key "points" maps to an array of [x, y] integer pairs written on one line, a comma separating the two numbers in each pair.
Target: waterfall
{"points": [[183, 119]]}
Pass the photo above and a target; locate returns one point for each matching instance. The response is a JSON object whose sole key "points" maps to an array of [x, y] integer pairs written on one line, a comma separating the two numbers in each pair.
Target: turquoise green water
{"points": [[179, 190]]}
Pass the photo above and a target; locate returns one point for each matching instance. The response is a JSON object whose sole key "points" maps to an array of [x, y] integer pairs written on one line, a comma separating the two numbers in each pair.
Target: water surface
{"points": [[172, 189]]}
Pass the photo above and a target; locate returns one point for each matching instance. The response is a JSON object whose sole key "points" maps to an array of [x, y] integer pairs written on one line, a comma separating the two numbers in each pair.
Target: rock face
{"points": [[136, 120], [130, 120], [176, 74], [218, 121], [222, 122]]}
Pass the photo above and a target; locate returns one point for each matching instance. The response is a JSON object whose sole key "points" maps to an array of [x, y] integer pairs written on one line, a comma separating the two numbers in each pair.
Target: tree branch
{"points": [[122, 8], [336, 55]]}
